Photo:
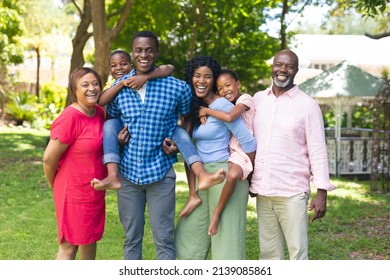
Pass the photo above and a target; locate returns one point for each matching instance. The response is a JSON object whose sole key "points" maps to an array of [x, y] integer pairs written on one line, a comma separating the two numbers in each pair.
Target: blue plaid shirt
{"points": [[150, 122]]}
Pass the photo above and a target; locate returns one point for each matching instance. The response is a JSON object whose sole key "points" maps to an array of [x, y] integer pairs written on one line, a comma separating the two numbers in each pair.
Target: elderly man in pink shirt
{"points": [[289, 132]]}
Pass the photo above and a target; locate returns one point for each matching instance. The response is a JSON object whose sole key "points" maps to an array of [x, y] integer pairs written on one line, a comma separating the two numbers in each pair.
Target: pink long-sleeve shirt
{"points": [[289, 132]]}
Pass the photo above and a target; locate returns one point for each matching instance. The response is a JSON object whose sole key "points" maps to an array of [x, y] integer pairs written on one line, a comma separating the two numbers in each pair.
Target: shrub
{"points": [[21, 106], [53, 101]]}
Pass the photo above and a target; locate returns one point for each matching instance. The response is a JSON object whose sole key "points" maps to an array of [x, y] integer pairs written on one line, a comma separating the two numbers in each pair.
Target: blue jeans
{"points": [[186, 146], [111, 147], [111, 129]]}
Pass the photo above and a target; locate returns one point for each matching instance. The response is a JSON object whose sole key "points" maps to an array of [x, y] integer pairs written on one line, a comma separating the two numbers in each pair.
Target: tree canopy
{"points": [[226, 30], [234, 32], [10, 32]]}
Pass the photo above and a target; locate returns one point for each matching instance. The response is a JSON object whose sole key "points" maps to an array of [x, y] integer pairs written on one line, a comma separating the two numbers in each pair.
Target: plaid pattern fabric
{"points": [[143, 160]]}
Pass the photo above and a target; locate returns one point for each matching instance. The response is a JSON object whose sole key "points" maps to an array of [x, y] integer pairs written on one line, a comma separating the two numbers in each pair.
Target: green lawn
{"points": [[356, 226]]}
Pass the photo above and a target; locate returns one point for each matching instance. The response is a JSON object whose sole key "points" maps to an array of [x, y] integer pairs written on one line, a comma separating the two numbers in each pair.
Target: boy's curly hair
{"points": [[194, 63]]}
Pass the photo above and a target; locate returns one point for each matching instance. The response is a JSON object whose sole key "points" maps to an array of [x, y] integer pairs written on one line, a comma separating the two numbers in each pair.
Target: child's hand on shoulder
{"points": [[203, 111], [203, 114], [136, 82]]}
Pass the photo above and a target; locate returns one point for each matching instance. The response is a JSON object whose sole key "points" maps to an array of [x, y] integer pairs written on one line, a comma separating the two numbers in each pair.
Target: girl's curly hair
{"points": [[194, 63]]}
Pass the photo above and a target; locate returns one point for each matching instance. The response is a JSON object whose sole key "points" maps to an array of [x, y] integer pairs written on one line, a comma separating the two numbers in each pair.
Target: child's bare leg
{"points": [[111, 182], [205, 179], [193, 200], [214, 222], [234, 174]]}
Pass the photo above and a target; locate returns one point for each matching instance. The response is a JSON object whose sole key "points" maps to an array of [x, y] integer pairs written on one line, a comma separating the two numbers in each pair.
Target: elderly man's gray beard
{"points": [[282, 84]]}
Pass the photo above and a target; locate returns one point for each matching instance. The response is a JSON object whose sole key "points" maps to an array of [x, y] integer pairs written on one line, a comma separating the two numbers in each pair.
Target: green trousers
{"points": [[191, 238]]}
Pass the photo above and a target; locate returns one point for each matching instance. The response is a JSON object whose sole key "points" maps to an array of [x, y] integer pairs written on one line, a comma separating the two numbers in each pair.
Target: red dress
{"points": [[80, 209]]}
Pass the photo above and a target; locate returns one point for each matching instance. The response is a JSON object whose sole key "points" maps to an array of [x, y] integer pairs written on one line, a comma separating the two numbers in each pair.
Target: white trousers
{"points": [[283, 220]]}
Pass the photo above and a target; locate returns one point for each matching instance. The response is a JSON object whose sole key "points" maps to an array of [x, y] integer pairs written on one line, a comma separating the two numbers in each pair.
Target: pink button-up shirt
{"points": [[290, 136]]}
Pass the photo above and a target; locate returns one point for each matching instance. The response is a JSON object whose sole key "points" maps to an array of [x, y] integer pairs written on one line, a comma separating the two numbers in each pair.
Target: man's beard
{"points": [[282, 84]]}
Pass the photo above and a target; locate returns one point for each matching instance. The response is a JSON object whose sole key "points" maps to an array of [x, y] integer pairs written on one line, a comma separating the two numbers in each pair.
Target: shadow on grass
{"points": [[356, 225]]}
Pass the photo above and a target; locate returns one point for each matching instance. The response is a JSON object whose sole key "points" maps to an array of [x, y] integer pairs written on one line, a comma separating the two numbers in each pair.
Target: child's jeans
{"points": [[186, 146], [111, 146], [111, 129]]}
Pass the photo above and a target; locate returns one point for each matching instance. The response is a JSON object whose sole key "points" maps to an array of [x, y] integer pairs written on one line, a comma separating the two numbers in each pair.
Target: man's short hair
{"points": [[145, 34]]}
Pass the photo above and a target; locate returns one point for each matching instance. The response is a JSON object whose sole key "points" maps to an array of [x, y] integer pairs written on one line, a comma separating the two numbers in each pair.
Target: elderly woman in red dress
{"points": [[72, 159]]}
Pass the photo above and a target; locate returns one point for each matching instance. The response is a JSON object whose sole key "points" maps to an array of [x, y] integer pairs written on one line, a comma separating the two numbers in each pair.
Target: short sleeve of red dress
{"points": [[80, 209]]}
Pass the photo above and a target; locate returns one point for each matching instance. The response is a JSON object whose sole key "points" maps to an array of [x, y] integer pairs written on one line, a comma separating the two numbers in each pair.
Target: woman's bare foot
{"points": [[109, 183], [192, 202], [207, 180], [213, 227]]}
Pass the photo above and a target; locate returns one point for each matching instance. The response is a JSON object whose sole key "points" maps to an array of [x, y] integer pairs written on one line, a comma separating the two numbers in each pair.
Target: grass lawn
{"points": [[356, 226]]}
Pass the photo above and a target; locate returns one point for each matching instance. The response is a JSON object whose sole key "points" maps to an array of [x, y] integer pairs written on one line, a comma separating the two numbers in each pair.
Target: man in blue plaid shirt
{"points": [[147, 174]]}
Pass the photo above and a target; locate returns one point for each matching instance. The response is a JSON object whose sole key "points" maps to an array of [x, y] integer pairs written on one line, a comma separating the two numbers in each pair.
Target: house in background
{"points": [[342, 87], [320, 52], [337, 68]]}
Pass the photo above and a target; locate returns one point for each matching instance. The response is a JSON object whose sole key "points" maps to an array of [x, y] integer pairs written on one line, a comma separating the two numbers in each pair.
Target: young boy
{"points": [[119, 65]]}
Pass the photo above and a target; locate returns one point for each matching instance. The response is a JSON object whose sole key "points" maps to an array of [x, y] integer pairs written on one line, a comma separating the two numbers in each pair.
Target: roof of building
{"points": [[315, 50], [342, 80]]}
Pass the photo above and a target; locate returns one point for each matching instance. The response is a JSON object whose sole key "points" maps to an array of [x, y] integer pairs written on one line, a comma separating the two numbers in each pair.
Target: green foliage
{"points": [[10, 30], [21, 106], [345, 17], [56, 20], [52, 102], [385, 74], [362, 117], [329, 119], [24, 106], [226, 30], [371, 8], [90, 58]]}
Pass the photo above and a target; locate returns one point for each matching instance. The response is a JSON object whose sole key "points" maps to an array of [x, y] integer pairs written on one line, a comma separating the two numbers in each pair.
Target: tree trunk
{"points": [[80, 39], [94, 11], [283, 27], [103, 36], [37, 50]]}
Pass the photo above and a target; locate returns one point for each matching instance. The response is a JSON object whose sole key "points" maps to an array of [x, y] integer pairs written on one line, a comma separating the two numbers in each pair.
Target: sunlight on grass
{"points": [[23, 147], [352, 190], [356, 224], [23, 130]]}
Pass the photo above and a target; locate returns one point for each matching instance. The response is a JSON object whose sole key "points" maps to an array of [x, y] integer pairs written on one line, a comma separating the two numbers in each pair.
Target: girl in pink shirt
{"points": [[240, 164]]}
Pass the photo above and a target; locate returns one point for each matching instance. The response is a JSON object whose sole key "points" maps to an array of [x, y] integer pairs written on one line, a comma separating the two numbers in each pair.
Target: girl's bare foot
{"points": [[207, 180], [213, 227], [109, 183], [192, 202]]}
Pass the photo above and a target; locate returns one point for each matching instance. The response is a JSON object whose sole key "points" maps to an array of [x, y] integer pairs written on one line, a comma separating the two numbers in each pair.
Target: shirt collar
{"points": [[291, 92]]}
